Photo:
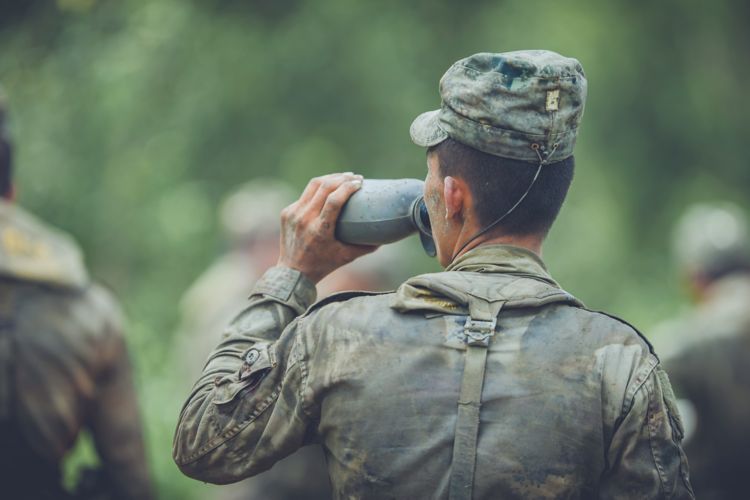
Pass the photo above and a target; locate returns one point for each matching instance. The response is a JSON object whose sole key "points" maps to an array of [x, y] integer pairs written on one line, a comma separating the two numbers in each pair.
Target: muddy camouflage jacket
{"points": [[63, 362], [574, 403]]}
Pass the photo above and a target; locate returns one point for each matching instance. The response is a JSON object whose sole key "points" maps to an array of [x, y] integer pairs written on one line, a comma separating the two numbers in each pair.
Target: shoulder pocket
{"points": [[257, 361]]}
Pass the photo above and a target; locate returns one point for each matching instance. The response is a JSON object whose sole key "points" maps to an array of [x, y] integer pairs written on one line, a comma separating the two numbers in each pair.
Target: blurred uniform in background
{"points": [[250, 218], [707, 352], [63, 364]]}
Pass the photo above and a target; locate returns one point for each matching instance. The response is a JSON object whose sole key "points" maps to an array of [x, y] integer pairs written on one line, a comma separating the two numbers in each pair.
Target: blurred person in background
{"points": [[707, 351], [64, 366], [249, 217]]}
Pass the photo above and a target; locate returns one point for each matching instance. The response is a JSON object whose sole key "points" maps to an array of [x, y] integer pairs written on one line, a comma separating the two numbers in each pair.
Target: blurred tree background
{"points": [[133, 118]]}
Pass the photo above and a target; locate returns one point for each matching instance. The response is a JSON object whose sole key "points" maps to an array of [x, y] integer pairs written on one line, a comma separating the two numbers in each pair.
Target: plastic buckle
{"points": [[478, 332]]}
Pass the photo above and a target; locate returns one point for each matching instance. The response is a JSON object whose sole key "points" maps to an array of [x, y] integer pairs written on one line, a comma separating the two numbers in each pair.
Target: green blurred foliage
{"points": [[133, 118]]}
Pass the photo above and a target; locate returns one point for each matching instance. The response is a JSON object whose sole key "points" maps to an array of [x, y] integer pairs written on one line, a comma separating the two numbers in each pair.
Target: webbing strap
{"points": [[479, 328]]}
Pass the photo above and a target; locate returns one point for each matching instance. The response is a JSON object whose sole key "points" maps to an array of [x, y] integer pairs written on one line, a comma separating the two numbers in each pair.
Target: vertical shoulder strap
{"points": [[478, 330]]}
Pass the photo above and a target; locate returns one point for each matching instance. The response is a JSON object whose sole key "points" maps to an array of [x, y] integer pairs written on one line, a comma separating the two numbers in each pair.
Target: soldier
{"points": [[63, 364], [483, 381], [707, 352]]}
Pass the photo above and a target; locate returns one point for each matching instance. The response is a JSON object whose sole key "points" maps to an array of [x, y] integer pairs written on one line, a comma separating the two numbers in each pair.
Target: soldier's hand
{"points": [[308, 243]]}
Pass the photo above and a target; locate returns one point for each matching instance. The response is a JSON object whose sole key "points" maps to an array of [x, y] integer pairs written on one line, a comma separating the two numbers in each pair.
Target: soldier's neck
{"points": [[529, 242]]}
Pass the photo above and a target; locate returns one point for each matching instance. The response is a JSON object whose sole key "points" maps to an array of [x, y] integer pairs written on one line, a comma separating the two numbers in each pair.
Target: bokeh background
{"points": [[133, 118]]}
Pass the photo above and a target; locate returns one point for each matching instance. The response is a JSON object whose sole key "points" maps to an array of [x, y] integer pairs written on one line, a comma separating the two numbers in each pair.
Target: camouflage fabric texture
{"points": [[574, 404], [524, 105], [63, 357], [707, 353]]}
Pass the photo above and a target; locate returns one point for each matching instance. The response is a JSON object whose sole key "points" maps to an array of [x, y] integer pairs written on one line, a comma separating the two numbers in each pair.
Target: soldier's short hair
{"points": [[497, 183]]}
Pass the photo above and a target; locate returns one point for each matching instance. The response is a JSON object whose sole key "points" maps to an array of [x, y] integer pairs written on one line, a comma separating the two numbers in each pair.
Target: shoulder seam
{"points": [[636, 330], [341, 297]]}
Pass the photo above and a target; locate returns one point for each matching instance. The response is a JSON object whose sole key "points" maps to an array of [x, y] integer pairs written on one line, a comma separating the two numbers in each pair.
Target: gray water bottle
{"points": [[384, 211]]}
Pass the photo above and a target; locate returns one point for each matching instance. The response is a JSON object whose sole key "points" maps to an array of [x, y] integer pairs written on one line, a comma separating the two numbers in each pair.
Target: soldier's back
{"points": [[385, 373], [57, 346], [63, 362]]}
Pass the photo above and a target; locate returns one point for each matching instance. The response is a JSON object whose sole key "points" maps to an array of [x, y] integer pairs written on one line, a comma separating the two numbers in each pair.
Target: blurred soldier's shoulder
{"points": [[45, 269], [32, 251]]}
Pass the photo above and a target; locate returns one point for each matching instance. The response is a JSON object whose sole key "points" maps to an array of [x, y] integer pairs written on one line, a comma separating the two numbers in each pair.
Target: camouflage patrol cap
{"points": [[524, 105], [711, 239]]}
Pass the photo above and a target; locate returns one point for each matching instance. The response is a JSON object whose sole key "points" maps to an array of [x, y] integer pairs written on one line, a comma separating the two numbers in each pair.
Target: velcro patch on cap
{"points": [[553, 100]]}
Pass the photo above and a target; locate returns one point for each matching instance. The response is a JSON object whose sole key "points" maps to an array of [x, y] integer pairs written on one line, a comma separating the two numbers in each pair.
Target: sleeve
{"points": [[115, 421], [645, 457], [247, 410]]}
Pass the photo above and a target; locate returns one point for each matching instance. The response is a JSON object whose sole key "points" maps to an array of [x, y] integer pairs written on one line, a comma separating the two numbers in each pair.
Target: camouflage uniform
{"points": [[483, 381], [707, 351], [64, 366]]}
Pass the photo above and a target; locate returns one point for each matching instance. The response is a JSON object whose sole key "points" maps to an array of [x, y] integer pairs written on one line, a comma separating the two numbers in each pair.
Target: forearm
{"points": [[226, 401]]}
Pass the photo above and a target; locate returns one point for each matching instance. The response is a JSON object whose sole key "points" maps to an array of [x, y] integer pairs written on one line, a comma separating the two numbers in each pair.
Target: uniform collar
{"points": [[490, 273], [503, 259]]}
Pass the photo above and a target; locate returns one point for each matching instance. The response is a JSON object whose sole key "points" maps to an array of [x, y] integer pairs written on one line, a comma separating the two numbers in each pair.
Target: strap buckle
{"points": [[478, 332]]}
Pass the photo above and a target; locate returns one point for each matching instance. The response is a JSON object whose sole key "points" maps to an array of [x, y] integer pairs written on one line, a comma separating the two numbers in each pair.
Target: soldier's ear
{"points": [[454, 193]]}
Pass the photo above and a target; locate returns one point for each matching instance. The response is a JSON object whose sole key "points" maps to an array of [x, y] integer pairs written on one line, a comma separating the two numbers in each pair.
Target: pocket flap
{"points": [[257, 361], [259, 357]]}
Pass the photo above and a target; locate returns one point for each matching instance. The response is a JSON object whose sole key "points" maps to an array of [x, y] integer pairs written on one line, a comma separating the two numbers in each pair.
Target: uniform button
{"points": [[252, 356]]}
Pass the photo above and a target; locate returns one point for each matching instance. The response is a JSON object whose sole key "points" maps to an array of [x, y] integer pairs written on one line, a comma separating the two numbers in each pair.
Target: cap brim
{"points": [[425, 130]]}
